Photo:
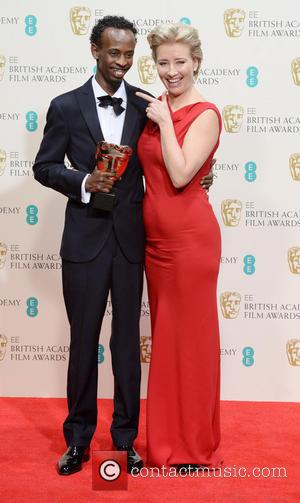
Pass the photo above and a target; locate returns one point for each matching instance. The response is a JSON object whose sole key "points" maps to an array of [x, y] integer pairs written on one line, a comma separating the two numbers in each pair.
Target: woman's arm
{"points": [[183, 163]]}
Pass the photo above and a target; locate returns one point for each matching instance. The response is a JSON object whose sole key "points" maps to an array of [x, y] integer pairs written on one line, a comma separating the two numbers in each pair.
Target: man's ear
{"points": [[95, 51]]}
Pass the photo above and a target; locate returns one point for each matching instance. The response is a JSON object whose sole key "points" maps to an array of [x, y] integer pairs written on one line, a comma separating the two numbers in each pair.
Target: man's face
{"points": [[114, 56]]}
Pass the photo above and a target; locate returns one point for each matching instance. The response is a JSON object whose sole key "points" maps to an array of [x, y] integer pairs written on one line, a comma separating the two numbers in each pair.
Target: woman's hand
{"points": [[158, 111]]}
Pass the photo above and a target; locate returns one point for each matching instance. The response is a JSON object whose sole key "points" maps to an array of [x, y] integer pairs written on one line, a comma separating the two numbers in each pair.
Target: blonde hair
{"points": [[171, 33]]}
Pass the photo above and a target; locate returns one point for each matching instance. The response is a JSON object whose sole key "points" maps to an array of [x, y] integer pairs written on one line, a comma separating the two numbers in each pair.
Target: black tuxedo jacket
{"points": [[72, 129]]}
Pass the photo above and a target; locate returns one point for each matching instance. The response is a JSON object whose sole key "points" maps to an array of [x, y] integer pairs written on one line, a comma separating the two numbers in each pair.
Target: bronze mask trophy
{"points": [[110, 158]]}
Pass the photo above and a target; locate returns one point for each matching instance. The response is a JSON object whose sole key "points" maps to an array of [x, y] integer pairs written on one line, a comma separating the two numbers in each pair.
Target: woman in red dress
{"points": [[183, 250]]}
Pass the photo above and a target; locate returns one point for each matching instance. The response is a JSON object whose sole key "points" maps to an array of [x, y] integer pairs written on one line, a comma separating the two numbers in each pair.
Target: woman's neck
{"points": [[187, 98]]}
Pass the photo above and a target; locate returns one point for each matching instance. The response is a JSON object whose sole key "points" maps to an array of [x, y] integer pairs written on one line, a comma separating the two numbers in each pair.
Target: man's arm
{"points": [[49, 168]]}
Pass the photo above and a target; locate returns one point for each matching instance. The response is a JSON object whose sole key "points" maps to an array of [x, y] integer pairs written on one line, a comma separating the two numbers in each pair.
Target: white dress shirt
{"points": [[110, 123]]}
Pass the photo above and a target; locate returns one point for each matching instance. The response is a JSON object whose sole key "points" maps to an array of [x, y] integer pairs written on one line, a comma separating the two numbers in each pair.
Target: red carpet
{"points": [[254, 435]]}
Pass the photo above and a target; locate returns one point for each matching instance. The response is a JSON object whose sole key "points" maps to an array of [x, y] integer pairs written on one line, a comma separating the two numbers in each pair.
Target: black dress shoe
{"points": [[72, 459], [134, 460]]}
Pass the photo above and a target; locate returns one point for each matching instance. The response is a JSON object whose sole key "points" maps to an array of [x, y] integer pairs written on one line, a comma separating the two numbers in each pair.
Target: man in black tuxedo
{"points": [[102, 251]]}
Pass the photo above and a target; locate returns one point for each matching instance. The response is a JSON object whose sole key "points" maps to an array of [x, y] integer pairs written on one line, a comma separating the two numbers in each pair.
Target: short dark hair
{"points": [[118, 22]]}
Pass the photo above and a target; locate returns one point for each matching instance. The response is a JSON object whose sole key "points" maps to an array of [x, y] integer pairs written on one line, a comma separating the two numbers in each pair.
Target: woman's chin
{"points": [[174, 91]]}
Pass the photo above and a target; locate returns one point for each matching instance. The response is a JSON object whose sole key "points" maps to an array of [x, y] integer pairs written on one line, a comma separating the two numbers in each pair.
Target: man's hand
{"points": [[100, 181], [207, 181]]}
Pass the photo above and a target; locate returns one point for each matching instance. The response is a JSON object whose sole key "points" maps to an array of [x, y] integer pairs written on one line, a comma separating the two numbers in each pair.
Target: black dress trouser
{"points": [[86, 287]]}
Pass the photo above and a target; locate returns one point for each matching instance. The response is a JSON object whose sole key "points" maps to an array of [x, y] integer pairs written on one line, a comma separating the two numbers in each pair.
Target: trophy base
{"points": [[103, 201]]}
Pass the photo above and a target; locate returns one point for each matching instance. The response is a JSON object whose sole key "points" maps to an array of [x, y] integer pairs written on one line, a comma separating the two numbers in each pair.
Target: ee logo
{"points": [[32, 214], [31, 121], [252, 73], [250, 171], [249, 267], [184, 20], [100, 353], [248, 356], [32, 307], [30, 25]]}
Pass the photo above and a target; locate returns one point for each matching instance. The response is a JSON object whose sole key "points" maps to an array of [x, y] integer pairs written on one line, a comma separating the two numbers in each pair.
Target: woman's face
{"points": [[176, 67]]}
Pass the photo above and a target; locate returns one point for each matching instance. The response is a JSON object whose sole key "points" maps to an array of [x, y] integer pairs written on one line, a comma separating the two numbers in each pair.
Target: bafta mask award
{"points": [[110, 158]]}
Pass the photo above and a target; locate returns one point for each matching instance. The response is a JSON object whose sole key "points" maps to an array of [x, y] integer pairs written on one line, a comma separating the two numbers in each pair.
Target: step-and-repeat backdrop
{"points": [[251, 70]]}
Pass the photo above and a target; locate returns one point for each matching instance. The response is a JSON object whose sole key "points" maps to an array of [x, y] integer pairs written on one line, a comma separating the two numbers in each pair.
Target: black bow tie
{"points": [[109, 101]]}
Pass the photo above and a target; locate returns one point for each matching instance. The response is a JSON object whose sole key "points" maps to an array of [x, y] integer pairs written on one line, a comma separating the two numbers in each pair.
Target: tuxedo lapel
{"points": [[131, 117], [86, 100]]}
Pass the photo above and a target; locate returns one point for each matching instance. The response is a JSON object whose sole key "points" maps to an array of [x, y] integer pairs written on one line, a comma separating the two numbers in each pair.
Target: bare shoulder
{"points": [[207, 119]]}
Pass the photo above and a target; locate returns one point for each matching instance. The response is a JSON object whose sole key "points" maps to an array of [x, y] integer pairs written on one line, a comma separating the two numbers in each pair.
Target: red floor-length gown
{"points": [[183, 250]]}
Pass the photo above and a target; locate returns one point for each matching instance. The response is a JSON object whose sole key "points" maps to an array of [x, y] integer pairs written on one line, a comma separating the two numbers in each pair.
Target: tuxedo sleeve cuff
{"points": [[85, 196]]}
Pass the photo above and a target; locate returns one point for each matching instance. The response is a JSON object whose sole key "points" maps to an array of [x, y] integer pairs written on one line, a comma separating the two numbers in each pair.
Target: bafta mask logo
{"points": [[230, 304], [294, 259], [3, 344], [234, 20], [2, 161], [145, 347], [2, 66], [232, 118], [231, 212], [80, 20], [294, 163], [147, 70], [295, 69], [3, 252], [293, 352]]}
